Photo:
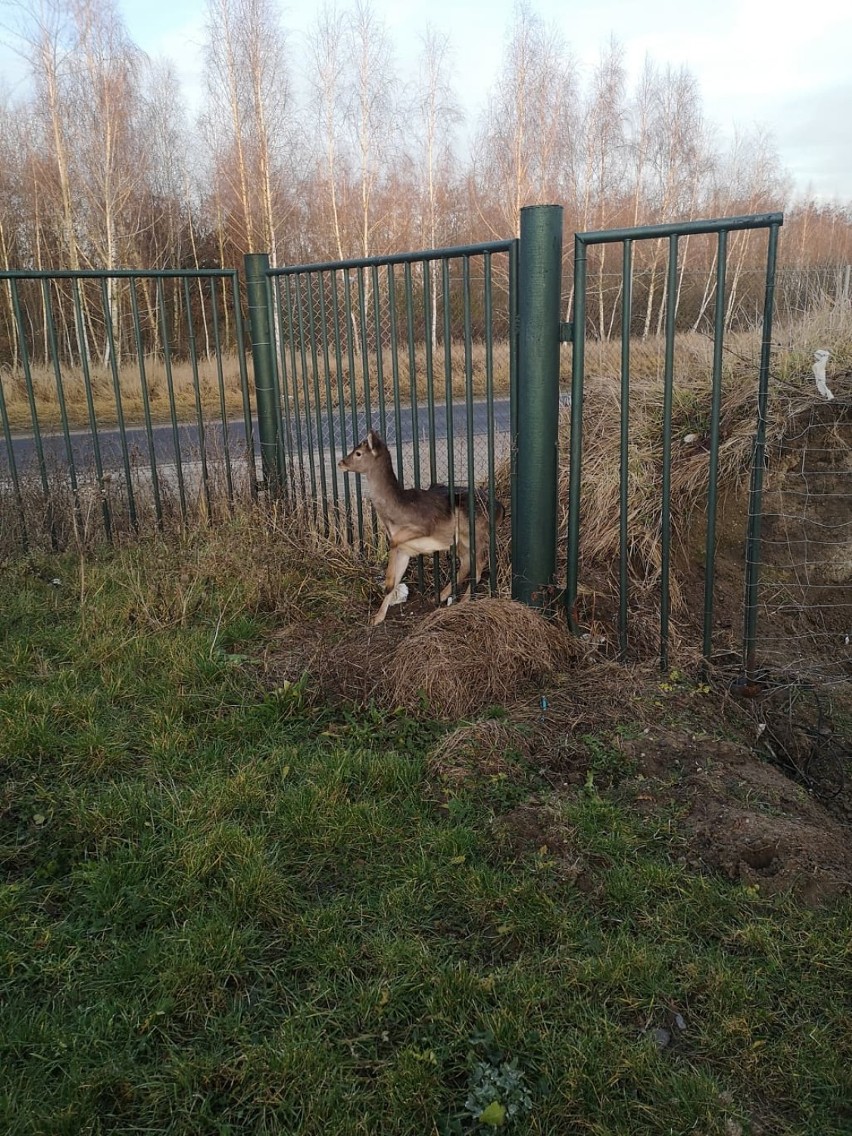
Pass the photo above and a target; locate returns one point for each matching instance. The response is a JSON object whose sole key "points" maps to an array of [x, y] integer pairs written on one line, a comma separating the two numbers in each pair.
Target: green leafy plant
{"points": [[497, 1093]]}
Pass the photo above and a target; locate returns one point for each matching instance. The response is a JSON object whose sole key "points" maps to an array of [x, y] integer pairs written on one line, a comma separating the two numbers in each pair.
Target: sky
{"points": [[785, 66]]}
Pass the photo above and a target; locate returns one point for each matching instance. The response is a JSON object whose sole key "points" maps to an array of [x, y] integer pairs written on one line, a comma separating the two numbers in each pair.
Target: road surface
{"points": [[298, 434]]}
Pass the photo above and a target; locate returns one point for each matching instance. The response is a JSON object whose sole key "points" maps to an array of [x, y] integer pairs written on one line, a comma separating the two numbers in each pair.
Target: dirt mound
{"points": [[445, 663], [734, 812], [476, 749], [474, 655], [743, 817], [451, 663]]}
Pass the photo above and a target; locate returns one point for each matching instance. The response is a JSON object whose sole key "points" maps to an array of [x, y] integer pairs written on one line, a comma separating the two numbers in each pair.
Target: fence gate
{"points": [[636, 467]]}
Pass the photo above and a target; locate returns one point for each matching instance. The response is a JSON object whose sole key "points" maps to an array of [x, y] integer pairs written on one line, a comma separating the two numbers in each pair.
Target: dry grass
{"points": [[791, 395], [447, 663], [468, 370], [484, 748], [470, 656], [183, 393]]}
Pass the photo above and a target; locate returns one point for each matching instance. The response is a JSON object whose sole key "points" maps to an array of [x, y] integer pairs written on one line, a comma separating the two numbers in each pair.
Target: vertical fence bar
{"points": [[534, 497], [412, 371], [90, 407], [317, 400], [298, 284], [624, 472], [448, 393], [715, 416], [365, 369], [380, 368], [223, 408], [170, 388], [666, 514], [199, 409], [353, 396], [575, 470], [341, 404], [329, 400], [756, 493], [13, 470], [430, 337], [468, 403], [146, 402], [244, 389], [514, 340], [53, 348], [578, 362], [263, 358], [429, 331], [489, 412], [412, 381], [397, 395], [119, 405], [292, 421], [37, 438]]}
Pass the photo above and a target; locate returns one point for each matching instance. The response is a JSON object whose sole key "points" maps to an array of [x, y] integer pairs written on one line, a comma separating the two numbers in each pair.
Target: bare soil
{"points": [[757, 775], [684, 746]]}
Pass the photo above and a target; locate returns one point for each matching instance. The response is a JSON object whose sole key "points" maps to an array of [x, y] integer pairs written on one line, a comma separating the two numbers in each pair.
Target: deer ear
{"points": [[372, 441]]}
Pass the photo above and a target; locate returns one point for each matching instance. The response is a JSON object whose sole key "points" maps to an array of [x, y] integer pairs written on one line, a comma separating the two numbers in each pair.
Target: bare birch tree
{"points": [[327, 79], [525, 148], [437, 116], [371, 112], [248, 121]]}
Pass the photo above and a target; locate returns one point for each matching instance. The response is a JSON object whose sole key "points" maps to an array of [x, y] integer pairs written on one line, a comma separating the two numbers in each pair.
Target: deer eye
{"points": [[357, 453]]}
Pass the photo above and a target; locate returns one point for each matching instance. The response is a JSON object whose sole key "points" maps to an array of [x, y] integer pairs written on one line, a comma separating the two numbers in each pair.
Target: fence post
{"points": [[536, 428], [755, 505], [263, 357]]}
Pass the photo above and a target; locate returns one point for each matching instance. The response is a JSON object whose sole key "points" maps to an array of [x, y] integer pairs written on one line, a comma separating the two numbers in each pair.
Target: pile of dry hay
{"points": [[456, 661]]}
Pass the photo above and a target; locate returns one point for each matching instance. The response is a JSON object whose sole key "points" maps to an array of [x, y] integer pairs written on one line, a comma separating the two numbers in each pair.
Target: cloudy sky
{"points": [[783, 65]]}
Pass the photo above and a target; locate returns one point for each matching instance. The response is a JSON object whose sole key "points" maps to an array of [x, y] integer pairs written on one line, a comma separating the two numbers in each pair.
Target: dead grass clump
{"points": [[466, 657], [479, 749]]}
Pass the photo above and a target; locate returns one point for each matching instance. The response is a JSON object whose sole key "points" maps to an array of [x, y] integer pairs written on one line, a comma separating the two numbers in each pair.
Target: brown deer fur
{"points": [[418, 521]]}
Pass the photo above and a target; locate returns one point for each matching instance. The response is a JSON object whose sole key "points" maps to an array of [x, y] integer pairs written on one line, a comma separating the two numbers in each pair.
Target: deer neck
{"points": [[385, 492]]}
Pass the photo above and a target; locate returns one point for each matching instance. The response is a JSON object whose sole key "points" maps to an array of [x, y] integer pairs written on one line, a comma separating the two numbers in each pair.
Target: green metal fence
{"points": [[417, 346], [123, 387], [124, 401], [672, 234]]}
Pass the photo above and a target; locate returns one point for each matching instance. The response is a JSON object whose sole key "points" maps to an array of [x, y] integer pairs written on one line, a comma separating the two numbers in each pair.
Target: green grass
{"points": [[225, 910]]}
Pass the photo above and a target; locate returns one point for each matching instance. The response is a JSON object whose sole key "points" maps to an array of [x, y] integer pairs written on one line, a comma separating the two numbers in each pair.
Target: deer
{"points": [[418, 521]]}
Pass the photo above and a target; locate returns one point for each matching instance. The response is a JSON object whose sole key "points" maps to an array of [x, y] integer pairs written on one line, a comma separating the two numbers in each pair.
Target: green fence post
{"points": [[263, 357], [536, 429], [755, 509]]}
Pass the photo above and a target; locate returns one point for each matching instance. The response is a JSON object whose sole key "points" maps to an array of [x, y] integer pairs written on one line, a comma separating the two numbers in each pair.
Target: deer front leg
{"points": [[397, 563]]}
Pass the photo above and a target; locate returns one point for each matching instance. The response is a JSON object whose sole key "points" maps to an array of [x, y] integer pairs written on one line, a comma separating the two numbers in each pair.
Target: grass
{"points": [[228, 909]]}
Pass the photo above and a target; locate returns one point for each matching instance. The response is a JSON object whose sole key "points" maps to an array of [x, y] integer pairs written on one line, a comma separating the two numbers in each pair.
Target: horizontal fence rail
{"points": [[414, 346], [721, 230], [126, 397]]}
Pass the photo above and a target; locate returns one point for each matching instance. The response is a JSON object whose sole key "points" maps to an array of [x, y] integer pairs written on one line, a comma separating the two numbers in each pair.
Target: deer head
{"points": [[366, 456]]}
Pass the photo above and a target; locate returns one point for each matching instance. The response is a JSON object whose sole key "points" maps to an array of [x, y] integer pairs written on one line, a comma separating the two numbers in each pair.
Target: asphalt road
{"points": [[188, 437]]}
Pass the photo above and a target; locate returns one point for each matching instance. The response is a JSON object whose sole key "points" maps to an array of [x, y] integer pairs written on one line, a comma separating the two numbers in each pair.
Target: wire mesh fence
{"points": [[805, 609], [416, 347]]}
